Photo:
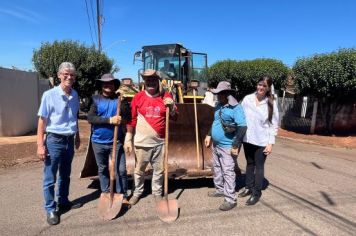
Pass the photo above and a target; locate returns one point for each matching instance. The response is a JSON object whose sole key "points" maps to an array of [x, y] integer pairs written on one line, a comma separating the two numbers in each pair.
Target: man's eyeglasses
{"points": [[67, 75]]}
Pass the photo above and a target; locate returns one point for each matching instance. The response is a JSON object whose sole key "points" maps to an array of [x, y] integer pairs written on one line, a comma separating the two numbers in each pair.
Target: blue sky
{"points": [[284, 30]]}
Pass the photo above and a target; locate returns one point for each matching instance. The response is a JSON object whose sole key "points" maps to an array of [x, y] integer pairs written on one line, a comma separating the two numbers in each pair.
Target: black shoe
{"points": [[53, 218], [215, 194], [245, 193], [226, 206], [69, 206], [252, 200]]}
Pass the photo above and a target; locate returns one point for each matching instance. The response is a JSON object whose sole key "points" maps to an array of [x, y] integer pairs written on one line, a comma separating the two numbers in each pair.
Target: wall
{"points": [[20, 94]]}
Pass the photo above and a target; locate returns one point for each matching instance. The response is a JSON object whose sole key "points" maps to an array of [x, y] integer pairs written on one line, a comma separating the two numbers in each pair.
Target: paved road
{"points": [[310, 190]]}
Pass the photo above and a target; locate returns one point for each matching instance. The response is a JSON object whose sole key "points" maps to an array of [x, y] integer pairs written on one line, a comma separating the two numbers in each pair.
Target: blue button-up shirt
{"points": [[60, 111]]}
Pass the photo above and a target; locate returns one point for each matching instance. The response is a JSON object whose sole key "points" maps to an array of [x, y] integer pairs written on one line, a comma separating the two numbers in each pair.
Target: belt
{"points": [[64, 136]]}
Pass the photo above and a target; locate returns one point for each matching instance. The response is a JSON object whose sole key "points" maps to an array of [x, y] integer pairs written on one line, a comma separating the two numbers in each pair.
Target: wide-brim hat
{"points": [[222, 86], [107, 78], [150, 73]]}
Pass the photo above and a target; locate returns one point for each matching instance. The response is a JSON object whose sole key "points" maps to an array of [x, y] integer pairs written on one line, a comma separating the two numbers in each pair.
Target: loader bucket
{"points": [[183, 161]]}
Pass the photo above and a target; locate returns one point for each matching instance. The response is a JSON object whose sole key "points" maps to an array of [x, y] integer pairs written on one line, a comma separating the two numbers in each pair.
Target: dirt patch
{"points": [[22, 150], [334, 141]]}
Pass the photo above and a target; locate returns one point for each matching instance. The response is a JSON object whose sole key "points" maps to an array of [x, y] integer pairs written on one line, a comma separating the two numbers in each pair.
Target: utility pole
{"points": [[99, 23]]}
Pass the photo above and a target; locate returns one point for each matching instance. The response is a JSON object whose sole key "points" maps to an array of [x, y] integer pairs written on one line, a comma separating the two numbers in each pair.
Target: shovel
{"points": [[196, 129], [167, 210], [110, 203]]}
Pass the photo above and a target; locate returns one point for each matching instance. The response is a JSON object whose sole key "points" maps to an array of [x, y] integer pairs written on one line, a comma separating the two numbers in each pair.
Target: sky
{"points": [[234, 29]]}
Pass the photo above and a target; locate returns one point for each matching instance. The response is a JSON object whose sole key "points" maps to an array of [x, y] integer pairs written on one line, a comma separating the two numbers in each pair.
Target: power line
{"points": [[91, 33], [92, 11], [98, 15]]}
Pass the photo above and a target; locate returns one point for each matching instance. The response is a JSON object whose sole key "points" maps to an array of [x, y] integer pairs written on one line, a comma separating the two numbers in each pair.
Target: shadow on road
{"points": [[174, 184]]}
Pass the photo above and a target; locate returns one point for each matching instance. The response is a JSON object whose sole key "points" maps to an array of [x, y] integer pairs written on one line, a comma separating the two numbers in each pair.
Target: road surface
{"points": [[310, 190]]}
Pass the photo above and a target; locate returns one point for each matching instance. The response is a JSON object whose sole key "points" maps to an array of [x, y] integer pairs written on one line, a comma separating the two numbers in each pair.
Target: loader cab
{"points": [[179, 63]]}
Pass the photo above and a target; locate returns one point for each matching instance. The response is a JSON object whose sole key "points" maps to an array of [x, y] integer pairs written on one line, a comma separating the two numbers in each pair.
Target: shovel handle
{"points": [[196, 129], [166, 154], [114, 148]]}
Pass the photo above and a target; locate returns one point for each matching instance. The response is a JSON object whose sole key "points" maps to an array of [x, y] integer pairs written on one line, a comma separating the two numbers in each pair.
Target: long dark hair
{"points": [[269, 95]]}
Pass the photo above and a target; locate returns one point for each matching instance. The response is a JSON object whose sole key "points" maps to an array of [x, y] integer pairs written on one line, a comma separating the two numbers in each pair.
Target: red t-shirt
{"points": [[148, 111]]}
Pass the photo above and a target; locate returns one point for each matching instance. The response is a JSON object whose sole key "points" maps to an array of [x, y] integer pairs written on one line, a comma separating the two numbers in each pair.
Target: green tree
{"points": [[329, 77], [244, 75], [89, 62]]}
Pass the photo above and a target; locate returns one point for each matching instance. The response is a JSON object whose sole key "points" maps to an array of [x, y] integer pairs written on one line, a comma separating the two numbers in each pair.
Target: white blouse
{"points": [[260, 131]]}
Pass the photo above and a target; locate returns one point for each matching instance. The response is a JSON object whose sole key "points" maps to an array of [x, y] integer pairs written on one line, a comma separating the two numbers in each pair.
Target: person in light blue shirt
{"points": [[57, 134], [227, 132]]}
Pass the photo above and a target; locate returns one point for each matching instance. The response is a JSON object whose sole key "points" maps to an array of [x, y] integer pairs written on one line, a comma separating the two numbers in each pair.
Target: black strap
{"points": [[224, 123]]}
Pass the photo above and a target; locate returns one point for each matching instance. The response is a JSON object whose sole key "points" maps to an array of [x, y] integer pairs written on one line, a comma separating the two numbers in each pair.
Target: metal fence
{"points": [[296, 113]]}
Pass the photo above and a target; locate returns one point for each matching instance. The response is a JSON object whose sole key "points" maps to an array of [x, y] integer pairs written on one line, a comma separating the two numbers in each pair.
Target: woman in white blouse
{"points": [[262, 117]]}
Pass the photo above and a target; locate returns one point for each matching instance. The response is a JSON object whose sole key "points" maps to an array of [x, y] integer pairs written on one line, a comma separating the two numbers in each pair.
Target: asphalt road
{"points": [[310, 190]]}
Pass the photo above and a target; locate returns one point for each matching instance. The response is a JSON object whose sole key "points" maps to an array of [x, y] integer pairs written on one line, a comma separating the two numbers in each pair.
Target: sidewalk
{"points": [[333, 141]]}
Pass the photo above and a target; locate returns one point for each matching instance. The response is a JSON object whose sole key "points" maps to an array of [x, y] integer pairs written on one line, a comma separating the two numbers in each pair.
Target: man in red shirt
{"points": [[146, 131]]}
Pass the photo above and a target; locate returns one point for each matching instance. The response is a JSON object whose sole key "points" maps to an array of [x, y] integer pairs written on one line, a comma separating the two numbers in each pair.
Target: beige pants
{"points": [[154, 156]]}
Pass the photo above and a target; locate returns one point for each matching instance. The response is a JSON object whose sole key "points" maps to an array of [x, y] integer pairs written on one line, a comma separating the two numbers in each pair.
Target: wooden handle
{"points": [[180, 94], [196, 129], [166, 154], [114, 148]]}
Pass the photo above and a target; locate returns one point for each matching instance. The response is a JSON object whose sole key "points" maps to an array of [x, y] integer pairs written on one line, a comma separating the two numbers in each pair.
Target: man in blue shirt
{"points": [[58, 114], [227, 132], [102, 116]]}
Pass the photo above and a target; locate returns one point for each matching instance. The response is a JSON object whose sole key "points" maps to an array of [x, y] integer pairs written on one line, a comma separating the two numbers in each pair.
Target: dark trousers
{"points": [[102, 154], [255, 166]]}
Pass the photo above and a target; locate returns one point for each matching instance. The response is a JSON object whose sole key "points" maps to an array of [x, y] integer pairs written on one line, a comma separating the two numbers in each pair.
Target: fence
{"points": [[304, 115], [296, 113]]}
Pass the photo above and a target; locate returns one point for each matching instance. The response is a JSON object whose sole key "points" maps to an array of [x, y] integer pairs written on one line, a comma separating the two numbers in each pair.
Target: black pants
{"points": [[255, 166]]}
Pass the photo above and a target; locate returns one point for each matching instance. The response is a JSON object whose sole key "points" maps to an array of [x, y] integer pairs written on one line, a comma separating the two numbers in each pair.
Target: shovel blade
{"points": [[167, 210], [109, 208]]}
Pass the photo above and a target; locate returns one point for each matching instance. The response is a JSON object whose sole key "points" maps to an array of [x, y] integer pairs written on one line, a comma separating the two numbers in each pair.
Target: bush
{"points": [[329, 77], [89, 62], [244, 75]]}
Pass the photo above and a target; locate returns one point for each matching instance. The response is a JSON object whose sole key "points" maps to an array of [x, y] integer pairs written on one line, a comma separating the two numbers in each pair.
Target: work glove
{"points": [[128, 143], [207, 141], [115, 120], [168, 102]]}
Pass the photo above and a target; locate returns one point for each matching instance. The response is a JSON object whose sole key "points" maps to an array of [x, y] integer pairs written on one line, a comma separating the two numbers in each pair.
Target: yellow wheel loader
{"points": [[186, 79]]}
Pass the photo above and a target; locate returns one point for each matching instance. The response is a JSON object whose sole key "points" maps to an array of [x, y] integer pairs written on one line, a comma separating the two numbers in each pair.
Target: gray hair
{"points": [[66, 65]]}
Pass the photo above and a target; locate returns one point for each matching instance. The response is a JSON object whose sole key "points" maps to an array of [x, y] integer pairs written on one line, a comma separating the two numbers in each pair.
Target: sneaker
{"points": [[134, 200], [52, 218], [226, 206], [215, 194]]}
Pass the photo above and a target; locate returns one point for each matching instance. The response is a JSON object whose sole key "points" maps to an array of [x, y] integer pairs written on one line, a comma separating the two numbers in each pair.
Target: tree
{"points": [[329, 77], [244, 75], [89, 62]]}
